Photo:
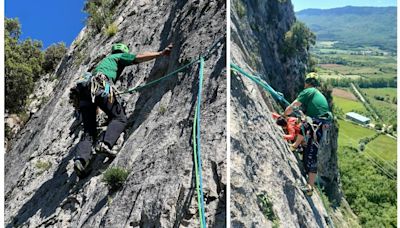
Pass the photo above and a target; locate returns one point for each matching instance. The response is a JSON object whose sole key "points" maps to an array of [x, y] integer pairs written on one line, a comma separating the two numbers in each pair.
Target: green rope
{"points": [[196, 167], [160, 79], [200, 88], [262, 83]]}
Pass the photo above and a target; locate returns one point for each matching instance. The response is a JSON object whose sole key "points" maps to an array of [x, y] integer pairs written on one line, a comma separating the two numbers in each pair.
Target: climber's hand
{"points": [[167, 50]]}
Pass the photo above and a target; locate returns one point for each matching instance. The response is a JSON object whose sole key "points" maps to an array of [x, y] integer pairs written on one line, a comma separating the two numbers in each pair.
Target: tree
{"points": [[52, 56], [378, 126], [298, 38], [23, 61], [361, 146]]}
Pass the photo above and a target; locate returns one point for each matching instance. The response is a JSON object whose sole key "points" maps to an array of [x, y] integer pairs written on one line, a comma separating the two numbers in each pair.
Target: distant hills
{"points": [[353, 26]]}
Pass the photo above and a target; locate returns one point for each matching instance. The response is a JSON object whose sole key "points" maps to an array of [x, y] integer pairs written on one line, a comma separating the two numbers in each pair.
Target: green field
{"points": [[383, 147], [338, 62], [386, 92], [350, 134], [349, 105], [386, 108]]}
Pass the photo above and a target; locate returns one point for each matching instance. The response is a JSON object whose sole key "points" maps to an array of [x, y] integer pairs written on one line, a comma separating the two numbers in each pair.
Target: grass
{"points": [[115, 177], [42, 166], [266, 206], [350, 134], [348, 105], [162, 110], [383, 147], [386, 92], [111, 30]]}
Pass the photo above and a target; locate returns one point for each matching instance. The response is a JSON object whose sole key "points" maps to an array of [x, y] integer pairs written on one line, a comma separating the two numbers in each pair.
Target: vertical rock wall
{"points": [[43, 190]]}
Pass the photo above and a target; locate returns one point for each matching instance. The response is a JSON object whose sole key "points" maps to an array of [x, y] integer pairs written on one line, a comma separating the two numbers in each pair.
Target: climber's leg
{"points": [[115, 111]]}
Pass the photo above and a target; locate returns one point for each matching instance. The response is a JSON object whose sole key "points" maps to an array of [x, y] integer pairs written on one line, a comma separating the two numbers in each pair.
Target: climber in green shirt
{"points": [[317, 108], [99, 92]]}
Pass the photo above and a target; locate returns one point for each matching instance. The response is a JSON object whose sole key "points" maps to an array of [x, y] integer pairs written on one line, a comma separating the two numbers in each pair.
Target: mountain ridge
{"points": [[354, 26]]}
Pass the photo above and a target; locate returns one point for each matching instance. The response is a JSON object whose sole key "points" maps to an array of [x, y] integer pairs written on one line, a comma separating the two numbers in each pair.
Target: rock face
{"points": [[43, 190], [265, 176]]}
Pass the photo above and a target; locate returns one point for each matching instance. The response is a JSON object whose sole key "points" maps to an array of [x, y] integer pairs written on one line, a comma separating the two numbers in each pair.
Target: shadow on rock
{"points": [[57, 191]]}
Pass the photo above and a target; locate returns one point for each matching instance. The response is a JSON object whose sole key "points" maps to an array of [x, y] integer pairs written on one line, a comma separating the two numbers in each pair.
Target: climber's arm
{"points": [[147, 56], [289, 109]]}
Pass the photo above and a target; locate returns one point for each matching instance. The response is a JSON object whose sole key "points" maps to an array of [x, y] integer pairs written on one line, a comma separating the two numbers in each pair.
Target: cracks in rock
{"points": [[182, 209], [100, 204], [133, 223]]}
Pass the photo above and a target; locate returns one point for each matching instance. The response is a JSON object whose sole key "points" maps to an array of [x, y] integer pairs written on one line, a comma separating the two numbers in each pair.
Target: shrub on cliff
{"points": [[100, 13], [52, 56], [115, 177], [298, 38]]}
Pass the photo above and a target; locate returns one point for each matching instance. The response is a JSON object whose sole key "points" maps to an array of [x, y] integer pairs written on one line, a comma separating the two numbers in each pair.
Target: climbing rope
{"points": [[277, 96], [205, 55], [197, 148], [137, 88]]}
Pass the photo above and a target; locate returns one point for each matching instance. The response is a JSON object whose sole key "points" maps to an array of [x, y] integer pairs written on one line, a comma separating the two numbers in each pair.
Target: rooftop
{"points": [[358, 116]]}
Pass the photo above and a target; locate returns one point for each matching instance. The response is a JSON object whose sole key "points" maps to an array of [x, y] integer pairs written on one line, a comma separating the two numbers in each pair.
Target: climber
{"points": [[100, 92], [317, 109], [292, 127]]}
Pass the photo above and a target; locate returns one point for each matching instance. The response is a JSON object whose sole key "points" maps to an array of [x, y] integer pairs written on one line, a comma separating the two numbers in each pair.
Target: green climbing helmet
{"points": [[312, 79], [119, 47]]}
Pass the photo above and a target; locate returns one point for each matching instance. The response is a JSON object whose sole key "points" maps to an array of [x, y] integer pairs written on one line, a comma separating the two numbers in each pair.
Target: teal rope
{"points": [[196, 168], [262, 83], [201, 72], [160, 79]]}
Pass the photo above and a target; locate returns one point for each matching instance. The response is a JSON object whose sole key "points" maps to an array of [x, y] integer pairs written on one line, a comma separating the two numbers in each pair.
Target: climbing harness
{"points": [[100, 81]]}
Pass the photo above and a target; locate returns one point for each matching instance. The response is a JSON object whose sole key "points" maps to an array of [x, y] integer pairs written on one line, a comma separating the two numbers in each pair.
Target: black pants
{"points": [[88, 109], [311, 151]]}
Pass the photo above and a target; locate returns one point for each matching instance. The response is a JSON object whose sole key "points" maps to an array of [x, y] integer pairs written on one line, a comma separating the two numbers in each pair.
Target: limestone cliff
{"points": [[265, 176], [41, 188]]}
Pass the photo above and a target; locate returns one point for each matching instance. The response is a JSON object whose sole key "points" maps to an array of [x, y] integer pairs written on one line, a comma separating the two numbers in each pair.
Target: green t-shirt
{"points": [[113, 65], [314, 101]]}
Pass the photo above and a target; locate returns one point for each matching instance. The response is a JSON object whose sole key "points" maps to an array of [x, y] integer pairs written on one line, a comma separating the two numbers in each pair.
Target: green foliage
{"points": [[378, 126], [326, 90], [115, 177], [162, 110], [52, 56], [100, 13], [266, 206], [366, 140], [42, 166], [111, 30], [79, 57], [23, 62], [371, 195], [298, 38], [240, 8]]}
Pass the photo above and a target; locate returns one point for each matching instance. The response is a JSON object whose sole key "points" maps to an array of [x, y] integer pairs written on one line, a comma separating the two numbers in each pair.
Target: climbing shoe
{"points": [[101, 147], [80, 167], [308, 190]]}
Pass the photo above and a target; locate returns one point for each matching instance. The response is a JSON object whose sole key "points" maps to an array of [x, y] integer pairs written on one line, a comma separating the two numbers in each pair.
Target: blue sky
{"points": [[50, 21], [327, 4]]}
